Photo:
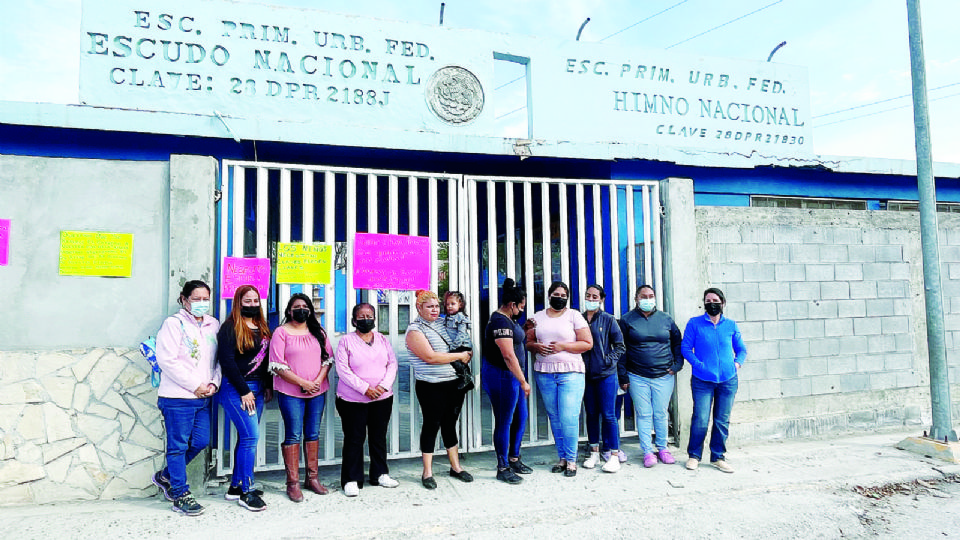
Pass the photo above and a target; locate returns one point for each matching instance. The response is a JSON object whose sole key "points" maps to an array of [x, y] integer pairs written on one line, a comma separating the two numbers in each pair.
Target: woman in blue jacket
{"points": [[600, 391], [713, 346]]}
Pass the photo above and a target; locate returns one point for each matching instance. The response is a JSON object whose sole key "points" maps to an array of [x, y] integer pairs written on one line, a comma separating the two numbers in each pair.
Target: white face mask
{"points": [[647, 304], [199, 308], [591, 306]]}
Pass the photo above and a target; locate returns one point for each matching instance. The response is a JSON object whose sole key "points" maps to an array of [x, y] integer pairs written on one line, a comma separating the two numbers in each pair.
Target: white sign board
{"points": [[249, 60]]}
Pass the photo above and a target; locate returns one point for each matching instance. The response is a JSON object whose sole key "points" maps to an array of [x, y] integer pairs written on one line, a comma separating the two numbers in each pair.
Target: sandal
{"points": [[559, 467], [429, 482]]}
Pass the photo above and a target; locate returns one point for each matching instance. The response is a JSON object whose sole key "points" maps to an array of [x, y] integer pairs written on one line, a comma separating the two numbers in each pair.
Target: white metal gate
{"points": [[598, 231]]}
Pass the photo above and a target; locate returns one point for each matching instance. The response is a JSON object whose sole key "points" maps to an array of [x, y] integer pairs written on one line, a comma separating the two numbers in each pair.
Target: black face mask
{"points": [[713, 308], [249, 311], [558, 303], [300, 315], [364, 326], [517, 315]]}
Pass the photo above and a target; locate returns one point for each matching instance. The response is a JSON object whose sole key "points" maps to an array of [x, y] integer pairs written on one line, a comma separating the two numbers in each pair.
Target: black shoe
{"points": [[462, 476], [252, 502], [187, 505], [558, 468], [520, 467], [570, 473], [508, 476], [429, 482], [234, 493], [163, 484]]}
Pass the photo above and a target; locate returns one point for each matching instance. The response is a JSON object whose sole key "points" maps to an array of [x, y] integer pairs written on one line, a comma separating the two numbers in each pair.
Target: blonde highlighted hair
{"points": [[423, 296]]}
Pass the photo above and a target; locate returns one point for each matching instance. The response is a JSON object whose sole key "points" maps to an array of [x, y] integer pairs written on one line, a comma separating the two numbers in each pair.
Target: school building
{"points": [[205, 140]]}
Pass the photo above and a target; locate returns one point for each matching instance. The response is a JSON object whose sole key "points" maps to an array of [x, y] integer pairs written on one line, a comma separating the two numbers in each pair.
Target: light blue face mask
{"points": [[647, 304], [199, 308], [591, 306]]}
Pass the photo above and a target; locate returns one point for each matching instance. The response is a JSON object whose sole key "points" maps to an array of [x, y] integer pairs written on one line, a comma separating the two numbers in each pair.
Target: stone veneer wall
{"points": [[830, 304], [77, 425]]}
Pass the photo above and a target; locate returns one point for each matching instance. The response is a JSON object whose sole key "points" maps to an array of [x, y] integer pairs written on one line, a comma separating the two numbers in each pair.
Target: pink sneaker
{"points": [[606, 455], [666, 457], [649, 460]]}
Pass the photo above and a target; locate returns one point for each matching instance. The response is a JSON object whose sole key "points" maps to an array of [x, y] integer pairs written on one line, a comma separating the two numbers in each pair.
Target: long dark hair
{"points": [[313, 325]]}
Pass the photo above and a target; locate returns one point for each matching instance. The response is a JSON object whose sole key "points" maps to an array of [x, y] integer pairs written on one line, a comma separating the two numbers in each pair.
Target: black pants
{"points": [[359, 420], [440, 405]]}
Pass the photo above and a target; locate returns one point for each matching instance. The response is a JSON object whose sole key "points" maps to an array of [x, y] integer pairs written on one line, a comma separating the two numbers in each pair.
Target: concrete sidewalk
{"points": [[792, 489]]}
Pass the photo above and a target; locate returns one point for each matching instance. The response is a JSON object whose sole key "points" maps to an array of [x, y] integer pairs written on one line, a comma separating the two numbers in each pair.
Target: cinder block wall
{"points": [[830, 304]]}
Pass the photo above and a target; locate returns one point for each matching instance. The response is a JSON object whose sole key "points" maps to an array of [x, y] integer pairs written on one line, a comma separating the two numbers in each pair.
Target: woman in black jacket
{"points": [[600, 391]]}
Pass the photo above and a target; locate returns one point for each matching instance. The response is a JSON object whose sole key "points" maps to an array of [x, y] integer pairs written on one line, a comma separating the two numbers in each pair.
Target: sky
{"points": [[856, 52]]}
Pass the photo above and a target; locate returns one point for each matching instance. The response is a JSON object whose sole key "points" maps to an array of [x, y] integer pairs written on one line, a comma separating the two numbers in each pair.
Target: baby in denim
{"points": [[456, 322]]}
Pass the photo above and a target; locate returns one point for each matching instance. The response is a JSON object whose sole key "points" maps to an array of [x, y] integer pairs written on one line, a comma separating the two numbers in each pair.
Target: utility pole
{"points": [[942, 429]]}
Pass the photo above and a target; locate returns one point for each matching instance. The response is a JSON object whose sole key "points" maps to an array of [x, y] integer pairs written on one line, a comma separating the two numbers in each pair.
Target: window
{"points": [[912, 206], [807, 203]]}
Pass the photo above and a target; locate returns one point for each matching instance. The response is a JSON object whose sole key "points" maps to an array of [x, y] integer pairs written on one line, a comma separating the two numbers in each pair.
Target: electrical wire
{"points": [[645, 20], [726, 23], [883, 111], [881, 101]]}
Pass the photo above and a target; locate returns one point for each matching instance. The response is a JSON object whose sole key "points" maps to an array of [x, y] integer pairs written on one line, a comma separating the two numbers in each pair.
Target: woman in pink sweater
{"points": [[367, 367]]}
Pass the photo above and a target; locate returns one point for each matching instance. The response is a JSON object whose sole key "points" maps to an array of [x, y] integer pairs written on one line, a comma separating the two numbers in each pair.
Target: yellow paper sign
{"points": [[84, 253], [304, 263]]}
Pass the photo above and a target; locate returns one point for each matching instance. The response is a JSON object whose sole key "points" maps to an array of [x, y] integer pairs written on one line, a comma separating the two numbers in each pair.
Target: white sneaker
{"points": [[612, 465], [591, 461], [351, 489], [387, 482]]}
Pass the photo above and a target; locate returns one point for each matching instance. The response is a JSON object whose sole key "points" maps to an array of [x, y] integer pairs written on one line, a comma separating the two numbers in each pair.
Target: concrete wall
{"points": [[830, 304], [78, 416]]}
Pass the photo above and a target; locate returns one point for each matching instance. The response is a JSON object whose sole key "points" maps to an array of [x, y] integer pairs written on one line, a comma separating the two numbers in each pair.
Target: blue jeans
{"points": [[720, 396], [248, 431], [510, 411], [187, 423], [599, 401], [651, 397], [562, 395], [301, 416]]}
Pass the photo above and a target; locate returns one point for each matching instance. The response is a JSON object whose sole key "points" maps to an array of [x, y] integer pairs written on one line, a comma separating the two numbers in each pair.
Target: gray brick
{"points": [[761, 311], [756, 234], [953, 270], [876, 236], [804, 253], [725, 235], [949, 254], [952, 237], [883, 381], [824, 384], [876, 271], [839, 327], [774, 290], [726, 272], [804, 290], [742, 253], [863, 289], [861, 253], [790, 272], [734, 310], [842, 364], [813, 366], [881, 344], [768, 389], [786, 234], [902, 306], [834, 253], [845, 235], [854, 382], [853, 344], [895, 325], [760, 351], [891, 289], [774, 253], [907, 379], [774, 330], [758, 272], [903, 236], [904, 342], [851, 308], [899, 270], [890, 253], [951, 287], [834, 290], [825, 347], [786, 368], [742, 292], [751, 331], [795, 387], [819, 272], [848, 272], [952, 305], [823, 309], [792, 310], [866, 326], [951, 323], [893, 362], [755, 372], [796, 348], [879, 307], [816, 235], [869, 362], [809, 328]]}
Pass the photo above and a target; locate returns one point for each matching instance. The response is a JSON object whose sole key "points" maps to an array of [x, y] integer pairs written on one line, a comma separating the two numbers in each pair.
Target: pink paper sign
{"points": [[239, 271], [391, 261], [4, 242]]}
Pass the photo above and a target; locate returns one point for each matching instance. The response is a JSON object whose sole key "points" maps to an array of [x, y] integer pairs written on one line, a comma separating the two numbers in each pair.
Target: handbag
{"points": [[464, 378]]}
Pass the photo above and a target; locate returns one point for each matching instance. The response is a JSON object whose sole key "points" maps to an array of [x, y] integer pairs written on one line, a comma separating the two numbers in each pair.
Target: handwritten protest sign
{"points": [[390, 261], [84, 253], [238, 271], [4, 241], [304, 263]]}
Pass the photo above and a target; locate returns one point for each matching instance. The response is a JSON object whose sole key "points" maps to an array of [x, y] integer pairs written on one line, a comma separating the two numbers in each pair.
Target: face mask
{"points": [[516, 316], [713, 308], [199, 308], [364, 326], [300, 315], [591, 306], [249, 311], [647, 304], [558, 303]]}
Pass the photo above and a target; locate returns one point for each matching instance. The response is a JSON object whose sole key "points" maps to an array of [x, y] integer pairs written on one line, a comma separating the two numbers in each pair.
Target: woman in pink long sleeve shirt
{"points": [[366, 367]]}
